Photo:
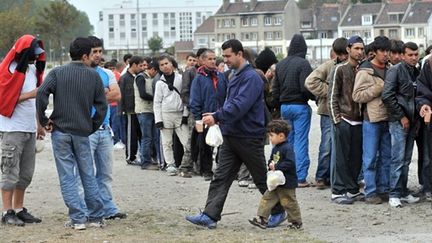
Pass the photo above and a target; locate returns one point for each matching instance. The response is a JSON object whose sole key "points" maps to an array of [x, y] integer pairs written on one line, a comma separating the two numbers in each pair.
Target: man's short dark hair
{"points": [[96, 42], [381, 43], [126, 57], [410, 45], [279, 126], [234, 44], [154, 63], [79, 47], [191, 55], [396, 46], [339, 46], [428, 50], [169, 57], [204, 54], [368, 48], [147, 59], [135, 60], [201, 51]]}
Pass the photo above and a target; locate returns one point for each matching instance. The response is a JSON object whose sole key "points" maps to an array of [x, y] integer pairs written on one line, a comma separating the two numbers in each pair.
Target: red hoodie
{"points": [[12, 83]]}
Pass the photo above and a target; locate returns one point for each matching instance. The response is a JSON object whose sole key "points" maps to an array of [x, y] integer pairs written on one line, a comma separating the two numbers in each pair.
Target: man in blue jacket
{"points": [[242, 124]]}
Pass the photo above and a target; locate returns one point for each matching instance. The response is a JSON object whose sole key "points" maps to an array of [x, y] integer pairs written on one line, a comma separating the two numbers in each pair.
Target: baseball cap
{"points": [[354, 39]]}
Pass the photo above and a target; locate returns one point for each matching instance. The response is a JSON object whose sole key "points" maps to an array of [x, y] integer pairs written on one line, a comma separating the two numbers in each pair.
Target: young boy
{"points": [[282, 158]]}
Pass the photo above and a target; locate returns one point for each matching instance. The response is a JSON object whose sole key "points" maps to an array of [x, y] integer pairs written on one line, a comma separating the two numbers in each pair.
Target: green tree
{"points": [[155, 44]]}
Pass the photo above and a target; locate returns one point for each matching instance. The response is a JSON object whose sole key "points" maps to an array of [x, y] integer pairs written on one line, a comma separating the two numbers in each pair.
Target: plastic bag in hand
{"points": [[274, 179], [214, 136]]}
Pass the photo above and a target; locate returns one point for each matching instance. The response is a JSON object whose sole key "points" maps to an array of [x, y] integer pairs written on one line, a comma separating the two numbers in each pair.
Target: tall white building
{"points": [[127, 28]]}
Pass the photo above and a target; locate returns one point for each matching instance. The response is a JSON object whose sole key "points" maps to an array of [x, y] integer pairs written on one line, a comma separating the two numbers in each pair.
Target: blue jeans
{"points": [[149, 140], [376, 157], [102, 151], [115, 124], [299, 117], [402, 148], [323, 170], [71, 151]]}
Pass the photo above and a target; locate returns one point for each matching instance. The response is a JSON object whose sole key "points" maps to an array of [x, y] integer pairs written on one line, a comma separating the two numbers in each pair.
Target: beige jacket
{"points": [[317, 83], [367, 90]]}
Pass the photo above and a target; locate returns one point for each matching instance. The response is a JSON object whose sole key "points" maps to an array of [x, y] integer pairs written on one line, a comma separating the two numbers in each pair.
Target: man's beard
{"points": [[93, 64]]}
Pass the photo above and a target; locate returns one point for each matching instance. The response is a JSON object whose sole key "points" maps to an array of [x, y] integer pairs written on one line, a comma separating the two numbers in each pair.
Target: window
{"points": [[245, 36], [122, 20], [393, 34], [367, 19], [233, 22], [382, 33], [393, 18], [122, 35], [278, 20], [277, 49], [367, 34], [202, 41], [110, 16], [323, 35], [172, 15], [111, 35], [334, 19], [245, 21], [420, 32], [346, 34], [267, 20], [254, 36], [278, 35], [155, 16], [268, 35], [409, 32], [143, 16], [306, 24], [253, 21], [219, 25], [122, 16], [226, 22], [111, 29], [166, 15]]}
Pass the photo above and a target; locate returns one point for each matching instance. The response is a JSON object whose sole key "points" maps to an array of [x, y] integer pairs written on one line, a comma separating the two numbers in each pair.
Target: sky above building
{"points": [[92, 8]]}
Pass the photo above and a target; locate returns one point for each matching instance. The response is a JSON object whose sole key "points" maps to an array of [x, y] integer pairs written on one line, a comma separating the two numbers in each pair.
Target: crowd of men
{"points": [[374, 102]]}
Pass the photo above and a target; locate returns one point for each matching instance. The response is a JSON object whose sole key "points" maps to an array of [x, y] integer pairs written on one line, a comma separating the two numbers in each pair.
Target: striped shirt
{"points": [[76, 88]]}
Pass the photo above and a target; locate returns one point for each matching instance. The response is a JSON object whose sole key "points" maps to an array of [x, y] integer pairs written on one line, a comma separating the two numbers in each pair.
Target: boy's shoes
{"points": [[71, 225], [202, 220], [171, 170], [258, 221], [117, 216], [99, 223], [359, 196], [276, 219], [409, 199], [373, 200], [303, 184], [395, 202], [26, 217], [243, 183], [10, 218], [295, 226], [341, 199]]}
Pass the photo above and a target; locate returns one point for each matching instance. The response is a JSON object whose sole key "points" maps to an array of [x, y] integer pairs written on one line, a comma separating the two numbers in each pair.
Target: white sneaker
{"points": [[97, 224], [395, 202], [243, 183], [410, 199], [119, 145], [69, 224], [171, 170]]}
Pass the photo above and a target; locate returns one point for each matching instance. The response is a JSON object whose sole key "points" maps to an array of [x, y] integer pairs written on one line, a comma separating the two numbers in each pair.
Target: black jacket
{"points": [[283, 156], [127, 102], [291, 74], [399, 92], [424, 86]]}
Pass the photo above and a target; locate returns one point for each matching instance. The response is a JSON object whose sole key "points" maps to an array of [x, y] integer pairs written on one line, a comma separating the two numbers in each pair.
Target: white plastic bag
{"points": [[274, 179], [214, 136]]}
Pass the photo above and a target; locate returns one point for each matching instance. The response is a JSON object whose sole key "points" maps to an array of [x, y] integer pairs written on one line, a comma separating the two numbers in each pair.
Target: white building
{"points": [[127, 28]]}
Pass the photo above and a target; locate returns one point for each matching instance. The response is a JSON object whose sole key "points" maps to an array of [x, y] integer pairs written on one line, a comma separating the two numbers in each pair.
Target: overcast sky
{"points": [[92, 7]]}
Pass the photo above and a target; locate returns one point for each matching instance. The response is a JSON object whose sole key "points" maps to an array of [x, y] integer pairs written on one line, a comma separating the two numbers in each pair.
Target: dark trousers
{"points": [[346, 158], [205, 153], [195, 149], [423, 140], [133, 136], [233, 152], [178, 150]]}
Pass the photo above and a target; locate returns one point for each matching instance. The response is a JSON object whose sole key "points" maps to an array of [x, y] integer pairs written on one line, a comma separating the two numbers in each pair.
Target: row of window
{"points": [[251, 36], [249, 21], [392, 33]]}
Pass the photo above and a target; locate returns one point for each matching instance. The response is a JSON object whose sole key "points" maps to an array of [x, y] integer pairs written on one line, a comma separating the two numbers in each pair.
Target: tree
{"points": [[155, 44]]}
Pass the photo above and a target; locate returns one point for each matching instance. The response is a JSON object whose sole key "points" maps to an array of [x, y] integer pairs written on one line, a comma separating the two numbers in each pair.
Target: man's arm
{"points": [[306, 69], [316, 82], [99, 103], [140, 81], [335, 86], [113, 93], [424, 86], [42, 97], [195, 101], [389, 94], [365, 87], [157, 104]]}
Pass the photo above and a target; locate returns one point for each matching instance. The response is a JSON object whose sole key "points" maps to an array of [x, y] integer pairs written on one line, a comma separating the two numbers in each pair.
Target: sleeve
{"points": [[111, 77], [99, 103], [366, 88], [304, 73], [140, 81], [195, 101], [335, 87], [157, 102], [275, 88], [42, 98], [187, 78], [287, 163], [424, 86], [389, 93], [316, 82]]}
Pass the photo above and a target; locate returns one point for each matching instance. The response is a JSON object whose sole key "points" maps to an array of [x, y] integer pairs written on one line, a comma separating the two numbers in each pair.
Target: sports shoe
{"points": [[303, 184], [208, 176], [259, 222], [373, 200], [99, 223], [341, 199], [202, 220], [119, 146], [395, 202], [295, 226], [171, 170], [117, 216], [359, 196], [26, 217], [134, 162], [10, 218], [320, 185], [243, 183], [149, 166], [186, 174], [71, 225], [252, 186], [409, 199], [276, 219], [427, 196]]}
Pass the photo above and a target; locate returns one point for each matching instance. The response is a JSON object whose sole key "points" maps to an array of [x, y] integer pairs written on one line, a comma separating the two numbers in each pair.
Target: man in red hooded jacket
{"points": [[20, 74]]}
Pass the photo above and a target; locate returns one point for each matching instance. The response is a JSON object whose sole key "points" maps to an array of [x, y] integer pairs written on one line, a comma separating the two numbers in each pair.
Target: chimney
{"points": [[253, 4], [225, 5]]}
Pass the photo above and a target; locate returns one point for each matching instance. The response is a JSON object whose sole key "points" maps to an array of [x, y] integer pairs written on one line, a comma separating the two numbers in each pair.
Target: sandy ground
{"points": [[156, 205]]}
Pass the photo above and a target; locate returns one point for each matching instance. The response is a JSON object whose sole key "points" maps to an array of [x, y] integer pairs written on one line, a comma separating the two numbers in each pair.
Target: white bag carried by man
{"points": [[214, 136]]}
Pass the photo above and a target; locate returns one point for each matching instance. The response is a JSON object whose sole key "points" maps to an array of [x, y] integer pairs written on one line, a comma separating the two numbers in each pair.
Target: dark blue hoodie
{"points": [[242, 114]]}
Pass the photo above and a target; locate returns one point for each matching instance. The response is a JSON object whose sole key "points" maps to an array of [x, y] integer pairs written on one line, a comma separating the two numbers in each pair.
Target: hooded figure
{"points": [[265, 59], [27, 48]]}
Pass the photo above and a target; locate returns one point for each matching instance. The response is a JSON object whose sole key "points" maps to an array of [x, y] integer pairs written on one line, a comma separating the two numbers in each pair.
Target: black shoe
{"points": [[10, 218], [208, 176], [135, 162], [25, 216], [149, 167], [117, 216]]}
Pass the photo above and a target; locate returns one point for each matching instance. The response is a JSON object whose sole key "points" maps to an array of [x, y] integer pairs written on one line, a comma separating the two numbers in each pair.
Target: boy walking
{"points": [[282, 158]]}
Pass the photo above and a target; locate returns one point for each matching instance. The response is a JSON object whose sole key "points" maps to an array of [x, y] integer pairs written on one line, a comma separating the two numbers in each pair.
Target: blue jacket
{"points": [[283, 156], [242, 114], [203, 96]]}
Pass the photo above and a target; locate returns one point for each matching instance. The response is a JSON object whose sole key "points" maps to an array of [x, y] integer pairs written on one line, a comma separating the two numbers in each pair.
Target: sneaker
{"points": [[252, 186], [384, 196], [119, 146], [395, 202], [259, 222], [185, 174], [117, 216], [320, 185], [359, 196], [427, 196], [243, 183], [134, 162], [410, 199], [202, 220], [26, 217], [276, 219], [373, 200], [171, 170], [99, 223], [71, 225], [208, 176], [295, 226], [341, 199], [10, 218], [361, 184], [303, 184], [149, 166]]}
